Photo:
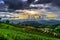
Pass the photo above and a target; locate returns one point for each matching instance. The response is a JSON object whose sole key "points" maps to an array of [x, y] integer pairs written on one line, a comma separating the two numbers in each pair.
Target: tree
{"points": [[0, 19], [7, 21]]}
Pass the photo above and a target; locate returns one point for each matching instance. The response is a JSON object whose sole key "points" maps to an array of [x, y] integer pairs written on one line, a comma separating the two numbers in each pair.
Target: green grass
{"points": [[8, 32]]}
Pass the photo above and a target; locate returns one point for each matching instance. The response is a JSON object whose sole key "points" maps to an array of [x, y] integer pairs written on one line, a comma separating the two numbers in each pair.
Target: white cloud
{"points": [[24, 0], [1, 2]]}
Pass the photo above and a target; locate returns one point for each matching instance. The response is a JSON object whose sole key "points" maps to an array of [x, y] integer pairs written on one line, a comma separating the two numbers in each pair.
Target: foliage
{"points": [[9, 32]]}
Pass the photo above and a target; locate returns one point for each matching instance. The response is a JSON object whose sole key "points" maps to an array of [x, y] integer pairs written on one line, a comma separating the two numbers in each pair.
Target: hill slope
{"points": [[8, 32]]}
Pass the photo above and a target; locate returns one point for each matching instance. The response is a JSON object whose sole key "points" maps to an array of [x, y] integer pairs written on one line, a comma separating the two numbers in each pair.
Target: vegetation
{"points": [[29, 32]]}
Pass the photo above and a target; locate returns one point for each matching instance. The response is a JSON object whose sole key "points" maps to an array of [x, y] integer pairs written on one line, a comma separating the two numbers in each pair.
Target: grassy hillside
{"points": [[8, 32]]}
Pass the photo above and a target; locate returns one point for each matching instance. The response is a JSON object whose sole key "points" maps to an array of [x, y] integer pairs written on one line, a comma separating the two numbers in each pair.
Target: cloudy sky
{"points": [[1, 1], [18, 4]]}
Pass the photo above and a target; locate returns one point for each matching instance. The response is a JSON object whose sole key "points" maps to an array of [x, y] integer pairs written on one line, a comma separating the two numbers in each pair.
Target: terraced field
{"points": [[8, 32]]}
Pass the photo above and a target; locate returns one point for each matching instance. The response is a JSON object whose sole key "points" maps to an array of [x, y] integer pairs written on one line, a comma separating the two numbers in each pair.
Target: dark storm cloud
{"points": [[15, 4], [44, 1], [19, 4], [54, 2]]}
